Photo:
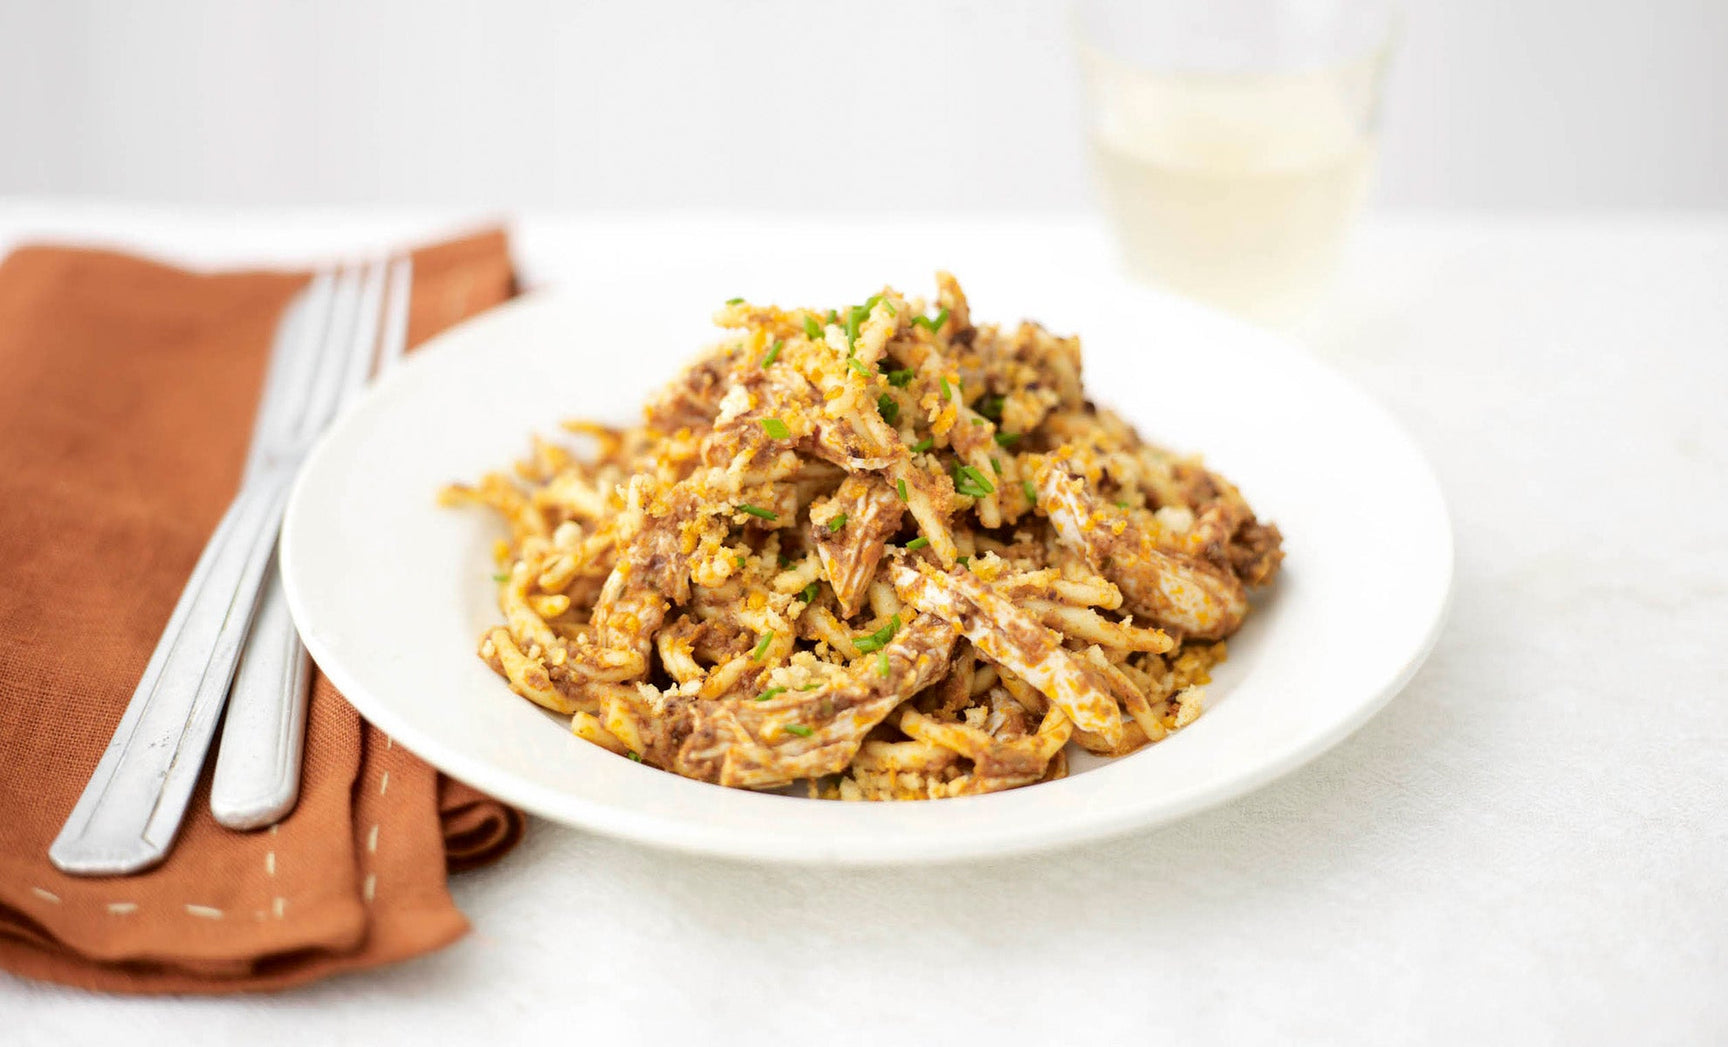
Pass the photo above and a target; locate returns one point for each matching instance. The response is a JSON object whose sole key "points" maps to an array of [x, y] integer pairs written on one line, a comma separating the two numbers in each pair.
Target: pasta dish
{"points": [[879, 552]]}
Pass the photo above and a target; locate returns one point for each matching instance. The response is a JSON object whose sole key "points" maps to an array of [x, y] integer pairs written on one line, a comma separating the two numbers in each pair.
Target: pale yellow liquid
{"points": [[1234, 190]]}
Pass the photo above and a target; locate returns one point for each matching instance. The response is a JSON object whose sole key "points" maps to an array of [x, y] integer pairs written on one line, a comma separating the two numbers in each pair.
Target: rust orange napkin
{"points": [[127, 391]]}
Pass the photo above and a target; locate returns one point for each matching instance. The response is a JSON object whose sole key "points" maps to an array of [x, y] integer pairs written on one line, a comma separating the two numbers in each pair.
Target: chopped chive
{"points": [[1007, 439], [923, 445], [900, 487], [1121, 505], [996, 464], [809, 687], [888, 408], [758, 512], [634, 755], [799, 729], [762, 646], [833, 317], [979, 421], [882, 664], [769, 693], [970, 482], [836, 523], [812, 329], [733, 301], [773, 352], [870, 303], [785, 562], [932, 325], [902, 378], [947, 390], [776, 429], [917, 543], [964, 561], [854, 317], [1031, 492], [991, 407], [503, 576], [740, 561], [809, 593], [879, 639], [857, 365]]}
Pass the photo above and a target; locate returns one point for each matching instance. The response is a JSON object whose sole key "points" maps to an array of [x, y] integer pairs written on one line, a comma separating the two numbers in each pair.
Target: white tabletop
{"points": [[1529, 845]]}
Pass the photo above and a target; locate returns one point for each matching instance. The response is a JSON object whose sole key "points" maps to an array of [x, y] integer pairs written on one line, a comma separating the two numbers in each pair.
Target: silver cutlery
{"points": [[257, 778], [131, 809]]}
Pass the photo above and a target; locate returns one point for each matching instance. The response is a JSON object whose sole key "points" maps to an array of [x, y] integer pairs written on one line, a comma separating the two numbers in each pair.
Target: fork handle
{"points": [[258, 761], [128, 815]]}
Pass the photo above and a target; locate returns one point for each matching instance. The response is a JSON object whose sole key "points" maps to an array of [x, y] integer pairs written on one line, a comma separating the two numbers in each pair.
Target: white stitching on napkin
{"points": [[370, 888], [45, 894], [122, 908], [205, 911], [278, 903]]}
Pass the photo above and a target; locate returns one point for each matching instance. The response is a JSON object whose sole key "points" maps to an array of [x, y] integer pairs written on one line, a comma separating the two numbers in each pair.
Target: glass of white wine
{"points": [[1235, 139]]}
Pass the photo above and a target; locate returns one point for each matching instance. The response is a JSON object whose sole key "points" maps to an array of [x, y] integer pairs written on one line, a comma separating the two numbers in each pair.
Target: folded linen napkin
{"points": [[127, 391]]}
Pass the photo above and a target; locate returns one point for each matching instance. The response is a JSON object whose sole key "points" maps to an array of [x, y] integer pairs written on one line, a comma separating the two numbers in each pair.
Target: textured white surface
{"points": [[1526, 846]]}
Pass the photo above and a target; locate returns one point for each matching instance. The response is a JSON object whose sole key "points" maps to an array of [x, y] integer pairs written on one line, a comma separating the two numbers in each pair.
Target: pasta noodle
{"points": [[877, 550]]}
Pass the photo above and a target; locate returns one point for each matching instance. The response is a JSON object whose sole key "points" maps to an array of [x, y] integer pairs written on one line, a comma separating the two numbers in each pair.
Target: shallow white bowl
{"points": [[391, 592]]}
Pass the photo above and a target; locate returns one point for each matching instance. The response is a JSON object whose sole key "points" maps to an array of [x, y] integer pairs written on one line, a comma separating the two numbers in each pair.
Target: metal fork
{"points": [[257, 778], [131, 810]]}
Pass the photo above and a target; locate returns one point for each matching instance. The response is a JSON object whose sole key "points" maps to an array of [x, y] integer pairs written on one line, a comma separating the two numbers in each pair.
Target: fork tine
{"points": [[291, 362], [283, 368], [321, 302], [365, 336], [333, 346], [395, 338]]}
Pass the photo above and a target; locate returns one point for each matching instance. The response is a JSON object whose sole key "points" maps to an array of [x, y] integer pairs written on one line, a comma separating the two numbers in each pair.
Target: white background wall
{"points": [[955, 104]]}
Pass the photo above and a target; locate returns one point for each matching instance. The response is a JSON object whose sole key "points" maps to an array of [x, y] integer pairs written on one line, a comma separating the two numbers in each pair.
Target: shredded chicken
{"points": [[877, 550]]}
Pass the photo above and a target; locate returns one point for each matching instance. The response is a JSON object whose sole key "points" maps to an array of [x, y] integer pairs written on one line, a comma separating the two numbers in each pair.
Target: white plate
{"points": [[391, 592]]}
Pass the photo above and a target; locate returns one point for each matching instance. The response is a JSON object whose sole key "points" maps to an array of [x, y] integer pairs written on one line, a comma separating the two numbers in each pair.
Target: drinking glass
{"points": [[1234, 140]]}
